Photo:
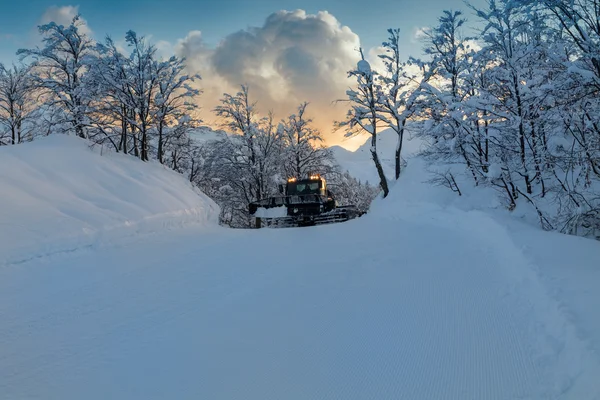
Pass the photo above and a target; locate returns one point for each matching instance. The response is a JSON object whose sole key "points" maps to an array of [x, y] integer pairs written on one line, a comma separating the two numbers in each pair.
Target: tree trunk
{"points": [[487, 145], [19, 128], [144, 144], [536, 158], [522, 136], [258, 189], [174, 158], [79, 131], [12, 125], [78, 118], [160, 143], [509, 194], [399, 149], [123, 144], [192, 170], [463, 152], [382, 179], [136, 150]]}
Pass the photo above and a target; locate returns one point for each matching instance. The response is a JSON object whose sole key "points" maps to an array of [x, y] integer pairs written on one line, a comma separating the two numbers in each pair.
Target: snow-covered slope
{"points": [[58, 194], [360, 164], [422, 298], [206, 134]]}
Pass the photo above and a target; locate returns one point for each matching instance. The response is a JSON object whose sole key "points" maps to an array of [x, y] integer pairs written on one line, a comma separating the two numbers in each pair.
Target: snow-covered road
{"points": [[429, 304]]}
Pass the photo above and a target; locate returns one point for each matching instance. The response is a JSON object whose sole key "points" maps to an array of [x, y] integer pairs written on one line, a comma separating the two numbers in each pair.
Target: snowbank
{"points": [[59, 195], [553, 277]]}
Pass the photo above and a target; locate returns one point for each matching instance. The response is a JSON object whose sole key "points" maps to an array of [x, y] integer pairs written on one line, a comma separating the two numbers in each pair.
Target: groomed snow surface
{"points": [[419, 299]]}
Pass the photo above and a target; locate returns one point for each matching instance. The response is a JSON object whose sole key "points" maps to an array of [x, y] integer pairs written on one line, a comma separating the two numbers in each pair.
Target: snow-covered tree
{"points": [[15, 103], [173, 103], [579, 20], [514, 98], [363, 115], [143, 83], [520, 113], [247, 164], [304, 153], [570, 113], [449, 129], [110, 75], [240, 116], [401, 86], [60, 68], [509, 83], [350, 191], [145, 105]]}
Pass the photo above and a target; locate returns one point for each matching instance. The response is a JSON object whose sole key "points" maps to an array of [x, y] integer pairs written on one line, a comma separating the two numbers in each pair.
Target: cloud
{"points": [[199, 61], [294, 57], [164, 49], [63, 16], [195, 51], [373, 58], [419, 34], [60, 15]]}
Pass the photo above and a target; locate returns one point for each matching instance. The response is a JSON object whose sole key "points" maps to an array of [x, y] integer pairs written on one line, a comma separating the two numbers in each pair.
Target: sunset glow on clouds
{"points": [[294, 57]]}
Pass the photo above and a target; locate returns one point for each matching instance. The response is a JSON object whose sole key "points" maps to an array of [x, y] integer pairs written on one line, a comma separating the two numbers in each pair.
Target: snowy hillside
{"points": [[58, 195], [206, 134], [360, 164], [422, 298]]}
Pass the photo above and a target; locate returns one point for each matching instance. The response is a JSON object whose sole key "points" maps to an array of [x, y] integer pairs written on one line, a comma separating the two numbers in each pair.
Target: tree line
{"points": [[515, 107]]}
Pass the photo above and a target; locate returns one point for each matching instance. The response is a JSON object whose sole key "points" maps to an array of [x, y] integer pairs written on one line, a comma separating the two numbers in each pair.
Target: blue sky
{"points": [[285, 57], [171, 19]]}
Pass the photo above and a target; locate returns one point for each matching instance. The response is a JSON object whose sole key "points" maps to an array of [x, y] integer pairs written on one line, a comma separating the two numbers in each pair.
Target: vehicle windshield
{"points": [[303, 188]]}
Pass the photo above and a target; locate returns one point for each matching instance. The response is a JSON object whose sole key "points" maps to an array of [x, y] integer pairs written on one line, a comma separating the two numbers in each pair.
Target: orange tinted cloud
{"points": [[294, 57]]}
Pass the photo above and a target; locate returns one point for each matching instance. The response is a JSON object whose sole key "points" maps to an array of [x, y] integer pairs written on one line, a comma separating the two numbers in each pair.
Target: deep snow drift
{"points": [[59, 195], [419, 299]]}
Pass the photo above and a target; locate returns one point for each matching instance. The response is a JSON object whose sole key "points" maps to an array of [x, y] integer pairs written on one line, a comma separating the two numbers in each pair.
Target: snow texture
{"points": [[419, 299], [58, 195], [364, 67]]}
